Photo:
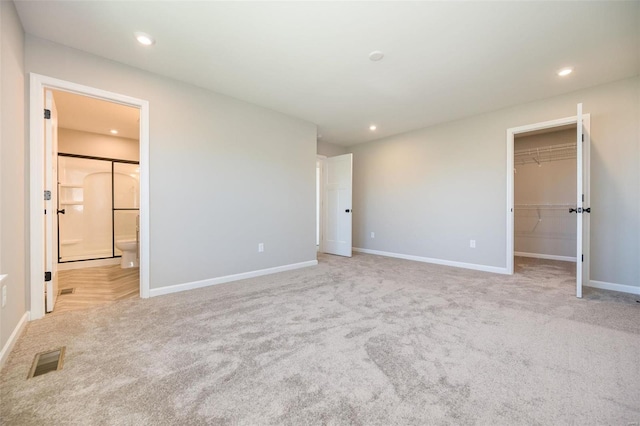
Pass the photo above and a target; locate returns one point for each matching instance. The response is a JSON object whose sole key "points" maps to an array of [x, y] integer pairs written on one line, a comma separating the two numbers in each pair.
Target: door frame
{"points": [[511, 132], [38, 83], [319, 199]]}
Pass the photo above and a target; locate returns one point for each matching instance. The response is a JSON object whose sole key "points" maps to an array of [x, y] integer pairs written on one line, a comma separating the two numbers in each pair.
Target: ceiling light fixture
{"points": [[144, 38], [372, 127], [113, 131], [376, 55], [565, 71]]}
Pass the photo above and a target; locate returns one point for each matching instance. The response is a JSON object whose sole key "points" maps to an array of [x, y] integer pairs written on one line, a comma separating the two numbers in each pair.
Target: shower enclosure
{"points": [[98, 205]]}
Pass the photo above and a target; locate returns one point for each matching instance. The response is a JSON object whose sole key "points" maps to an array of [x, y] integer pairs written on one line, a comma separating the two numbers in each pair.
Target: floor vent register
{"points": [[46, 362]]}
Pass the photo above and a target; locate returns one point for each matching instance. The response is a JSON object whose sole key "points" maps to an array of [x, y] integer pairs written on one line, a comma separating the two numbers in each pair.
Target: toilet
{"points": [[129, 250]]}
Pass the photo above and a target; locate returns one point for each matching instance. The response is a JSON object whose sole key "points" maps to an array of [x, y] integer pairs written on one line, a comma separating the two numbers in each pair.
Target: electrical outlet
{"points": [[260, 247], [4, 295], [373, 235], [472, 243]]}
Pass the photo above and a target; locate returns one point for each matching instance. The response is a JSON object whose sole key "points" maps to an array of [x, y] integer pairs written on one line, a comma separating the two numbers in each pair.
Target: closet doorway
{"points": [[544, 193], [548, 194]]}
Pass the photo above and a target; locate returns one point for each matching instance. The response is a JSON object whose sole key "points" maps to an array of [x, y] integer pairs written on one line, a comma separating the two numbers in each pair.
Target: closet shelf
{"points": [[72, 203], [544, 154], [544, 206], [65, 185]]}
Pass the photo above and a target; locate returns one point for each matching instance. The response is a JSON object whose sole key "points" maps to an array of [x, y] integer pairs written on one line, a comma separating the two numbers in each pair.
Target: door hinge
{"points": [[583, 198], [47, 276], [47, 114], [583, 257], [47, 195], [583, 137]]}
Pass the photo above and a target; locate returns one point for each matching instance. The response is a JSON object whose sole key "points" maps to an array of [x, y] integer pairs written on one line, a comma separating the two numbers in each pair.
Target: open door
{"points": [[583, 208], [337, 178], [51, 200]]}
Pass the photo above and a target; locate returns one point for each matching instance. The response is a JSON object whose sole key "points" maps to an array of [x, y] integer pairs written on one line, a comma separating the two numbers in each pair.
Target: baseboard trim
{"points": [[6, 350], [228, 278], [484, 268], [545, 256], [615, 287]]}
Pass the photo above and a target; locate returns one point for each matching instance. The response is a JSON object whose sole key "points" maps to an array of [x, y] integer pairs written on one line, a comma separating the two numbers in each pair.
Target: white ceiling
{"points": [[443, 60], [96, 116]]}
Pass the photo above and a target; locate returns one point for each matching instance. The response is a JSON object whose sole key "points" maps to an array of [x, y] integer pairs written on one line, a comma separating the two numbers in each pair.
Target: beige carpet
{"points": [[367, 340]]}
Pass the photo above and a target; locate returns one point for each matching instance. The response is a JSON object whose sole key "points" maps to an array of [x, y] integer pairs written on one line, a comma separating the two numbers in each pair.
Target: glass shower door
{"points": [[85, 203], [126, 202]]}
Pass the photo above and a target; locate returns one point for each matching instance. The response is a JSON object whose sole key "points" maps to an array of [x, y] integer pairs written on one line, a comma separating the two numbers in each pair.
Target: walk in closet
{"points": [[545, 179]]}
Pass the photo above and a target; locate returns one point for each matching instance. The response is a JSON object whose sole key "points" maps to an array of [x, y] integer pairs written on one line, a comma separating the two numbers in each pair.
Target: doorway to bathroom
{"points": [[98, 202], [93, 165]]}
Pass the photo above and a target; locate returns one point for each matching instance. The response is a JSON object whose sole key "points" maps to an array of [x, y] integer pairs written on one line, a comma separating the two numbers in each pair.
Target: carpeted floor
{"points": [[367, 340]]}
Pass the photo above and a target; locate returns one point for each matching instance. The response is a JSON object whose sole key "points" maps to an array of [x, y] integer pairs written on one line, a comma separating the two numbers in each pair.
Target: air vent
{"points": [[66, 291], [47, 361]]}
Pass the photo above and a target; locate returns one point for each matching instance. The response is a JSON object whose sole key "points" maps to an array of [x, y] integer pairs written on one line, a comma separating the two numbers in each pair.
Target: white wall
{"points": [[545, 231], [225, 175], [331, 150], [96, 145], [428, 192], [12, 171]]}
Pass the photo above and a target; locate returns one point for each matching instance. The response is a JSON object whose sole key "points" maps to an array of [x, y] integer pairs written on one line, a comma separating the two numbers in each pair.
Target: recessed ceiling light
{"points": [[565, 71], [372, 127], [113, 131], [376, 55], [144, 38]]}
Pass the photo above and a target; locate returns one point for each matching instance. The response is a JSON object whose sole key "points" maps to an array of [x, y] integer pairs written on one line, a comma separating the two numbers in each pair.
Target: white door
{"points": [[583, 202], [51, 205], [337, 177]]}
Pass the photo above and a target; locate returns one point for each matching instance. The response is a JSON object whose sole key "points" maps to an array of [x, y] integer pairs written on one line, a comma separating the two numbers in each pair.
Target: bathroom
{"points": [[98, 199]]}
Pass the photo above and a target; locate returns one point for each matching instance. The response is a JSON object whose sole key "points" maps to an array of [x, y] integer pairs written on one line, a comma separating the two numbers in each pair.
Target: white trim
{"points": [[320, 199], [17, 332], [545, 256], [615, 287], [38, 83], [474, 266], [228, 278], [67, 266], [511, 132], [2, 277]]}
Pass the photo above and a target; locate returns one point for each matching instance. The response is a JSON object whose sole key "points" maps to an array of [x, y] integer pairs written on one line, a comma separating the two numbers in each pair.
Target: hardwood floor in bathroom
{"points": [[96, 286]]}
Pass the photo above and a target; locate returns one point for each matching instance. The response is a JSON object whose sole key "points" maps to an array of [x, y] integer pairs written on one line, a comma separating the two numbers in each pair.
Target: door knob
{"points": [[61, 211], [347, 211]]}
